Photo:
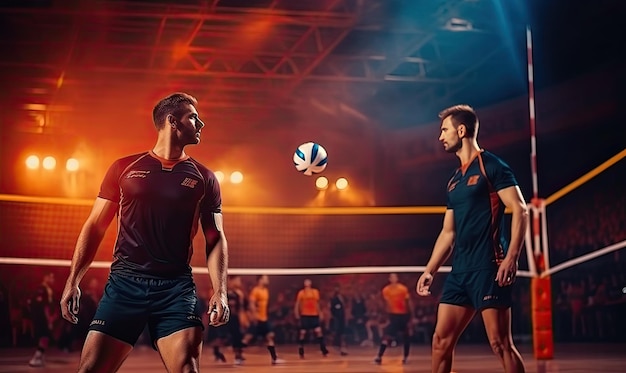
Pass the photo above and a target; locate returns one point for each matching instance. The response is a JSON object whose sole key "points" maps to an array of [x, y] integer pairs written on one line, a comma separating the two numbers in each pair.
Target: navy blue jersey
{"points": [[478, 212], [160, 204]]}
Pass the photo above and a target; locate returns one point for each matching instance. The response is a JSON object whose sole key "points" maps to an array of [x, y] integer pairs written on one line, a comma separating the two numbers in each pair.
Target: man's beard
{"points": [[454, 148]]}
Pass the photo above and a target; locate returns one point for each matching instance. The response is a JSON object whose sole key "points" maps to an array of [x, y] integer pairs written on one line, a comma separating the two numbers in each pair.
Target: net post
{"points": [[541, 289]]}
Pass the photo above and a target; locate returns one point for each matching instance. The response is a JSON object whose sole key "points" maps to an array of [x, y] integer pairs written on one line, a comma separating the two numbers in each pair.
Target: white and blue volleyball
{"points": [[310, 158]]}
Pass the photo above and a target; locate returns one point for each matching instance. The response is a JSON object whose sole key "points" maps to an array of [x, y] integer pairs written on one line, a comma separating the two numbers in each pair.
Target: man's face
{"points": [[449, 136], [307, 283], [189, 126], [265, 280], [393, 278]]}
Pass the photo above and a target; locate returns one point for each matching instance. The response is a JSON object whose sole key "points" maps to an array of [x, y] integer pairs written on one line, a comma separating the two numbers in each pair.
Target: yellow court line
{"points": [[586, 177], [382, 210], [48, 200]]}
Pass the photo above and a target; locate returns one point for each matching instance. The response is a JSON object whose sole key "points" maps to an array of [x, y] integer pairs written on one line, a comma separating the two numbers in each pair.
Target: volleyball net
{"points": [[583, 220], [582, 231]]}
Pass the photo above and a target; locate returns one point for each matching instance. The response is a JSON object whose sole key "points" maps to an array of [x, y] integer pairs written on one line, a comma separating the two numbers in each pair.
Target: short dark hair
{"points": [[462, 114], [172, 104]]}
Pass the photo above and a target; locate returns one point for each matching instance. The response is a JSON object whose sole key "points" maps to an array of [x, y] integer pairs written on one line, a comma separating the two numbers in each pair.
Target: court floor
{"points": [[569, 358]]}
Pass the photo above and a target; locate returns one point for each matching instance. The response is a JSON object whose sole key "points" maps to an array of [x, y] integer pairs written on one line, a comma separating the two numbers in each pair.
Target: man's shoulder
{"points": [[491, 159], [133, 157], [204, 170], [128, 159]]}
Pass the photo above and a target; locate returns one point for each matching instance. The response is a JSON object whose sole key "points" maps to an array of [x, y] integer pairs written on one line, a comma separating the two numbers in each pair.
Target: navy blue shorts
{"points": [[398, 323], [309, 322], [260, 329], [131, 302], [476, 289]]}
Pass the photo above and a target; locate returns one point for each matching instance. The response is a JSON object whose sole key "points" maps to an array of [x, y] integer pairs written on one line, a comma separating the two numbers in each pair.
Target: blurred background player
{"points": [[338, 320], [307, 310], [398, 304], [43, 316], [238, 320], [259, 322]]}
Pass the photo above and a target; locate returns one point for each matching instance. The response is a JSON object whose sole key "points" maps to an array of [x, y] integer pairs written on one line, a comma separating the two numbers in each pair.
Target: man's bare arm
{"points": [[87, 245]]}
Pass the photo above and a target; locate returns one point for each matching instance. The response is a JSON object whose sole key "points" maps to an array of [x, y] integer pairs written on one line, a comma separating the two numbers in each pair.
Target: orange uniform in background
{"points": [[309, 300]]}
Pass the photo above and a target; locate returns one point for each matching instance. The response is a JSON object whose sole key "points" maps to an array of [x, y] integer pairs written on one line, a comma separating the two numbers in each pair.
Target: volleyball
{"points": [[310, 158]]}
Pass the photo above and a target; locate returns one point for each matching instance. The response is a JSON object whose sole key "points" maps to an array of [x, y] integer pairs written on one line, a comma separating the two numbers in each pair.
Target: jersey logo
{"points": [[473, 180], [141, 174], [189, 182], [452, 186]]}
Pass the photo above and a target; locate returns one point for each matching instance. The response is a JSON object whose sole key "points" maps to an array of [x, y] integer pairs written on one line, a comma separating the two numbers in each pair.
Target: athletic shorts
{"points": [[260, 329], [131, 302], [476, 289], [398, 323], [309, 322]]}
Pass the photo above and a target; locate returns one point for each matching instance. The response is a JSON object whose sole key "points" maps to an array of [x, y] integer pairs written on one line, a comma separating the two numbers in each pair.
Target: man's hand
{"points": [[70, 303], [423, 284], [507, 271], [219, 313]]}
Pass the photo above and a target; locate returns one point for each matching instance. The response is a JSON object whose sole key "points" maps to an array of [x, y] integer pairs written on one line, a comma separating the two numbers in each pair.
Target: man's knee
{"points": [[442, 345], [188, 363], [499, 346]]}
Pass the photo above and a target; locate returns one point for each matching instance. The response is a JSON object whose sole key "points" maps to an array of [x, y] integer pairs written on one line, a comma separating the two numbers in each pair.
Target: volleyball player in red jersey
{"points": [[159, 197]]}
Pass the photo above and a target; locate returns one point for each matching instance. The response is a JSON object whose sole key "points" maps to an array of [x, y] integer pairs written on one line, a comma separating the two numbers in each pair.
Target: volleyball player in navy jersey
{"points": [[483, 267], [159, 197]]}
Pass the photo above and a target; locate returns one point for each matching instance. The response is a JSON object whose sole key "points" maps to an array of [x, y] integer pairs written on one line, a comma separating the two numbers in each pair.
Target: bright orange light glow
{"points": [[180, 51], [32, 162], [219, 175], [236, 177], [321, 183], [341, 183], [253, 33], [72, 164], [49, 163]]}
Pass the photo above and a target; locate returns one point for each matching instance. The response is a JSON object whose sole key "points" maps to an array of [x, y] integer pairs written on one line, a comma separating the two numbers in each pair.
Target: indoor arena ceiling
{"points": [[389, 61]]}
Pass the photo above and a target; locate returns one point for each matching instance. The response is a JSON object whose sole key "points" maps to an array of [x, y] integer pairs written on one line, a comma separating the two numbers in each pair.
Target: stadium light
{"points": [[49, 163], [236, 177], [32, 162], [219, 175], [321, 183], [341, 183], [72, 165]]}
